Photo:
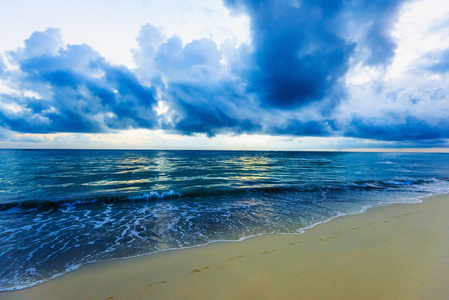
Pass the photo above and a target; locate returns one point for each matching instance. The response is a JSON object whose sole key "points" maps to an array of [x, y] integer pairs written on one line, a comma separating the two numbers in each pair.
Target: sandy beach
{"points": [[398, 251]]}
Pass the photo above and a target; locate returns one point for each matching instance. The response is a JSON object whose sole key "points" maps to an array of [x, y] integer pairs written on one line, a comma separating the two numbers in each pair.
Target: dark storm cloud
{"points": [[411, 129], [302, 48], [208, 110], [299, 58], [75, 90]]}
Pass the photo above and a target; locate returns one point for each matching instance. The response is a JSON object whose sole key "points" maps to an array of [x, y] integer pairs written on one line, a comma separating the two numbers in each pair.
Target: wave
{"points": [[56, 203], [223, 191], [381, 184], [156, 195]]}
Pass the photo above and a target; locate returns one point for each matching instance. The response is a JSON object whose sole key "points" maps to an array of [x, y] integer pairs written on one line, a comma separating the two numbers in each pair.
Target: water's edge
{"points": [[420, 199]]}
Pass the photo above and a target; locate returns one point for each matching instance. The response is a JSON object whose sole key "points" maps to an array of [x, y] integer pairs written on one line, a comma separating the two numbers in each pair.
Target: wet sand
{"points": [[397, 251]]}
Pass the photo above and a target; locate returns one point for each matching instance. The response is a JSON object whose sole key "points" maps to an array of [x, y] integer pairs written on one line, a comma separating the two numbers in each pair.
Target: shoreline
{"points": [[269, 265], [299, 232]]}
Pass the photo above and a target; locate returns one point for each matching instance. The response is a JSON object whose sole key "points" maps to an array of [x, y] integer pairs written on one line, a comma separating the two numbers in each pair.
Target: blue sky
{"points": [[231, 74]]}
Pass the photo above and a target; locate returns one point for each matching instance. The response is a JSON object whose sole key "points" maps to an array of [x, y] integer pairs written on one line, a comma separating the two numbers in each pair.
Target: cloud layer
{"points": [[295, 78], [71, 88]]}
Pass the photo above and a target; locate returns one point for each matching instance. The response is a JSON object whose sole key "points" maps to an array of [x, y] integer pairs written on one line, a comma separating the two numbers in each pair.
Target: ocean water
{"points": [[61, 209]]}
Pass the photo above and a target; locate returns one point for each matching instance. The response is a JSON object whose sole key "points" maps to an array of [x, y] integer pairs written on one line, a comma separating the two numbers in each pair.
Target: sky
{"points": [[224, 74]]}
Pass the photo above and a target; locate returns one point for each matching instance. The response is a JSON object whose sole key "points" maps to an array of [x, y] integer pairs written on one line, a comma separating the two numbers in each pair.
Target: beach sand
{"points": [[398, 251]]}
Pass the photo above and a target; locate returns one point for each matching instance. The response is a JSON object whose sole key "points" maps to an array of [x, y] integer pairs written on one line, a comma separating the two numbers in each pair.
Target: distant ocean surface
{"points": [[60, 209]]}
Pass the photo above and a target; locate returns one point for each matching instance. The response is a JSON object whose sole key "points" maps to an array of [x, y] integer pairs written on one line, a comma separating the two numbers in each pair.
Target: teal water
{"points": [[60, 209]]}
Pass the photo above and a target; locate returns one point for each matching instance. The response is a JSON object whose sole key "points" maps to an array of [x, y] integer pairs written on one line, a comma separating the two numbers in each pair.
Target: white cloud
{"points": [[421, 28], [404, 90], [110, 27]]}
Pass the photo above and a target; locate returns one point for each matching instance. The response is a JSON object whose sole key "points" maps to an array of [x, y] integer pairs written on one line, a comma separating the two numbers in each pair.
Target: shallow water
{"points": [[61, 209]]}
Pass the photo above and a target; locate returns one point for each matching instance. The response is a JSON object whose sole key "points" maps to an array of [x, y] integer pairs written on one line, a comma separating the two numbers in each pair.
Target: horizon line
{"points": [[366, 150]]}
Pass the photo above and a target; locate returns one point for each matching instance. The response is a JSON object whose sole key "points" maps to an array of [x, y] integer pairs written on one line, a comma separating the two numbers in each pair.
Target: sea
{"points": [[61, 209]]}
